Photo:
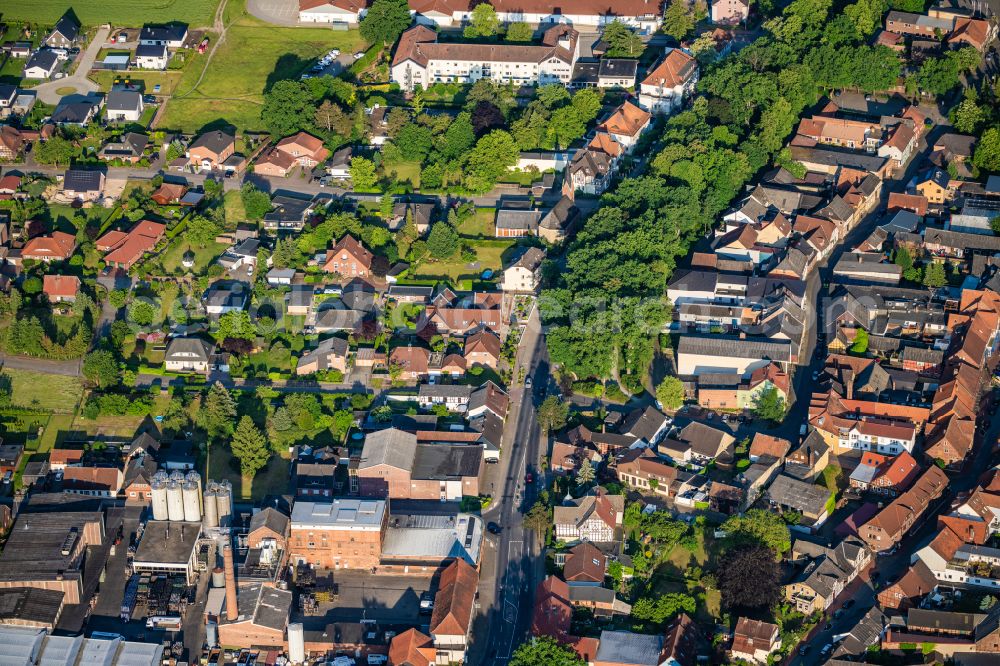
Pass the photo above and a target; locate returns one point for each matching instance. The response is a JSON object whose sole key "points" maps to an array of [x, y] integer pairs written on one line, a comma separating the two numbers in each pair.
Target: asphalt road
{"points": [[514, 565]]}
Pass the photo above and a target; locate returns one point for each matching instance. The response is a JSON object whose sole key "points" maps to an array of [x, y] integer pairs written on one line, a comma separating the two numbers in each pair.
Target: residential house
{"points": [[594, 517], [349, 259], [455, 397], [559, 221], [300, 149], [124, 105], [125, 249], [41, 65], [65, 32], [454, 607], [12, 142], [729, 12], [410, 647], [697, 443], [525, 274], [83, 185], [754, 640], [887, 528], [644, 471], [60, 288], [482, 349], [153, 56], [330, 354], [910, 590], [212, 151], [646, 426], [172, 35], [669, 83], [488, 399], [420, 60], [914, 203], [885, 475], [130, 147], [92, 481], [395, 465], [57, 246], [188, 355], [767, 445], [828, 571], [590, 172], [935, 187], [626, 124], [339, 166], [682, 644], [585, 564], [625, 648], [616, 72], [411, 362], [226, 296]]}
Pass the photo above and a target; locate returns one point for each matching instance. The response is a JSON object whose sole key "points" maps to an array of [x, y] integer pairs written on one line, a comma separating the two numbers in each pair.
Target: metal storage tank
{"points": [[212, 634], [296, 643], [192, 504], [218, 577], [158, 484], [175, 501], [224, 502], [195, 478], [177, 475], [211, 509]]}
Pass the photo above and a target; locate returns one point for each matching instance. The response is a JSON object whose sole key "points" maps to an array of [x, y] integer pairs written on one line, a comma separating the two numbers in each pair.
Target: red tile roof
{"points": [[57, 245], [767, 445], [585, 563], [674, 70], [627, 120], [412, 648], [553, 611], [60, 286], [453, 603]]}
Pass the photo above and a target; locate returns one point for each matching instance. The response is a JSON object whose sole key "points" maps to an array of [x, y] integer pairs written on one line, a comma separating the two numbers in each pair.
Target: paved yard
{"points": [[388, 598], [81, 85], [279, 12]]}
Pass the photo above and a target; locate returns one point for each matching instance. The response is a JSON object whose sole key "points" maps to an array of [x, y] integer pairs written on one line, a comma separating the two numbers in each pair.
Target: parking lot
{"points": [[366, 596], [333, 65]]}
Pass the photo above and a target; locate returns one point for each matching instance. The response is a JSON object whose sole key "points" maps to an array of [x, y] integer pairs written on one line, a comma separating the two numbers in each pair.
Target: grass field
{"points": [[406, 171], [54, 393], [481, 223], [487, 256], [273, 479], [235, 213], [167, 80], [203, 256], [132, 13], [251, 59]]}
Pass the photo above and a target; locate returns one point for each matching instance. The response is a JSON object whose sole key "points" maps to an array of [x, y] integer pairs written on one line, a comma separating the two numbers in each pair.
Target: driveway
{"points": [[278, 12], [78, 81]]}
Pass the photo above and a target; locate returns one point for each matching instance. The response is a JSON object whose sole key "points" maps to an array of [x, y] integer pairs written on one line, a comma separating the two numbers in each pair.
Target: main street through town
{"points": [[512, 564]]}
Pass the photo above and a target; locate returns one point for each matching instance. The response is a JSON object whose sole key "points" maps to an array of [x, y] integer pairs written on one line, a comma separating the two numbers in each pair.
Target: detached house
{"points": [[188, 355], [151, 57], [60, 288], [596, 517], [212, 150], [525, 274], [730, 12], [590, 172], [65, 33], [754, 640], [124, 105], [626, 124], [172, 35], [669, 83], [299, 149], [41, 65], [57, 246], [349, 259]]}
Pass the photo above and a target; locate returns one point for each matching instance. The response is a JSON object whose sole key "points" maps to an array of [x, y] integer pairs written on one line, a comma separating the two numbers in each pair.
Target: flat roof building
{"points": [[344, 533], [168, 548]]}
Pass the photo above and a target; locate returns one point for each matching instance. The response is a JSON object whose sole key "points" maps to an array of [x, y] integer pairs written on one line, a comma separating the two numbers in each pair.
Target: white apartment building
{"points": [[665, 87], [420, 60], [882, 437]]}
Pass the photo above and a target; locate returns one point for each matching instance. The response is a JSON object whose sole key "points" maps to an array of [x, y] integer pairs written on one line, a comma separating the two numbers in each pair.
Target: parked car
{"points": [[426, 603], [493, 528], [359, 55]]}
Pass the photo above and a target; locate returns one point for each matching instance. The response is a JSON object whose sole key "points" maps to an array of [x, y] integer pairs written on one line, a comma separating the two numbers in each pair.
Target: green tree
{"points": [[552, 414], [458, 138], [519, 31], [622, 42], [175, 416], [860, 345], [235, 325], [385, 21], [483, 22], [678, 19], [544, 650], [987, 155], [492, 156], [363, 175], [665, 607], [967, 116], [758, 526], [249, 446], [934, 275], [414, 141], [749, 576], [142, 313], [287, 108], [538, 519], [201, 230], [32, 285], [770, 406], [995, 225], [670, 393], [585, 475], [101, 369], [218, 411], [117, 297], [442, 241], [866, 15], [256, 203], [56, 151]]}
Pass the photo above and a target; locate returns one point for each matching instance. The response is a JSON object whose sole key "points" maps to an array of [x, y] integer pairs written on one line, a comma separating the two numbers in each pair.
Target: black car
{"points": [[493, 528]]}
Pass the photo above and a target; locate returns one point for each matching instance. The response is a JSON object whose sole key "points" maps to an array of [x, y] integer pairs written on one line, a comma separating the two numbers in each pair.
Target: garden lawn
{"points": [[480, 224], [235, 213], [406, 171], [57, 429], [272, 480], [456, 268], [54, 393], [251, 59], [203, 256], [132, 13]]}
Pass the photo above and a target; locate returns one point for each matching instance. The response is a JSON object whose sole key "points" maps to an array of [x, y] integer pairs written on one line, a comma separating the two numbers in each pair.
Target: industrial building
{"points": [[35, 647], [168, 548]]}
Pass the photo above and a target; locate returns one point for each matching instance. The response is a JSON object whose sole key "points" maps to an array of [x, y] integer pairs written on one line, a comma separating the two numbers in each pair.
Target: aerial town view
{"points": [[499, 333]]}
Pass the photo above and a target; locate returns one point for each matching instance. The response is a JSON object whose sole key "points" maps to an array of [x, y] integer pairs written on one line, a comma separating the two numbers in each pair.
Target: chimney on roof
{"points": [[232, 608]]}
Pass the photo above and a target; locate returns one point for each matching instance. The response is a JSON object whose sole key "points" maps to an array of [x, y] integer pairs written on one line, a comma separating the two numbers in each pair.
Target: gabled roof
{"points": [[676, 69], [585, 563], [60, 286], [453, 604], [67, 26], [393, 447], [270, 518], [627, 120]]}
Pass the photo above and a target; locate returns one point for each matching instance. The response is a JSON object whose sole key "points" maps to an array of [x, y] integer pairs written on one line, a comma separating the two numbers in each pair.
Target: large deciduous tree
{"points": [[287, 108], [544, 650], [385, 21], [101, 369], [749, 578]]}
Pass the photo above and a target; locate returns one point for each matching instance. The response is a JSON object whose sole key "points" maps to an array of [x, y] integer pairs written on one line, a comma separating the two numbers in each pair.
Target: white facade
{"points": [[184, 362], [329, 13], [699, 364], [409, 74], [520, 279], [889, 446], [38, 72], [151, 62], [661, 98]]}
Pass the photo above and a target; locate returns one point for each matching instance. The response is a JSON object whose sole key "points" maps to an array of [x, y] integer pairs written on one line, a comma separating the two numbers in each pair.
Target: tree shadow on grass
{"points": [[288, 66]]}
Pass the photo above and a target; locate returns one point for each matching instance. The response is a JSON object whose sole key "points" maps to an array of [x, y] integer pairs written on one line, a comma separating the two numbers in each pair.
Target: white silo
{"points": [[224, 502], [195, 478], [177, 475], [158, 484], [211, 508], [212, 634], [296, 643], [192, 503], [175, 501]]}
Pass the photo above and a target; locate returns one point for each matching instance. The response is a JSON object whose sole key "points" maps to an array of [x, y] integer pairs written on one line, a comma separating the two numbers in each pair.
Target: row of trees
{"points": [[608, 303]]}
